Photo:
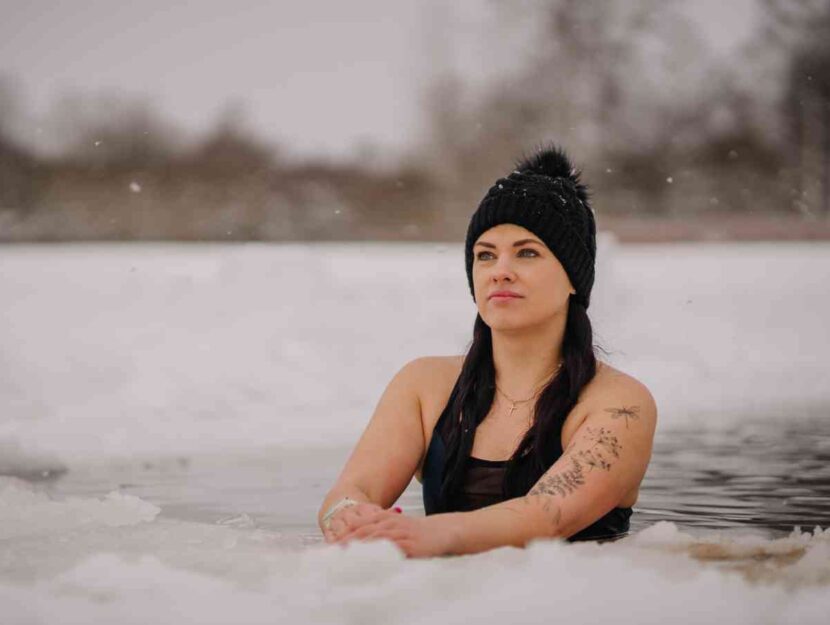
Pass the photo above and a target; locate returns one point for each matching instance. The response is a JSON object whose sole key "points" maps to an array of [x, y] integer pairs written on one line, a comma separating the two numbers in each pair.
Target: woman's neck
{"points": [[525, 360]]}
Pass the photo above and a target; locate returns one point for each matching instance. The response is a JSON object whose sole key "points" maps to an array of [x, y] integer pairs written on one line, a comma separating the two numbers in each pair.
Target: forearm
{"points": [[336, 494], [513, 522]]}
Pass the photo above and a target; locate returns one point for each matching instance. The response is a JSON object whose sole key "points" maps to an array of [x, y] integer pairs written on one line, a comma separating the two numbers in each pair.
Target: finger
{"points": [[381, 523], [329, 535], [337, 526], [350, 513], [361, 510], [372, 529], [347, 515], [352, 520], [357, 532], [340, 528], [351, 516], [406, 546], [367, 508], [390, 531], [394, 537], [354, 523], [380, 513]]}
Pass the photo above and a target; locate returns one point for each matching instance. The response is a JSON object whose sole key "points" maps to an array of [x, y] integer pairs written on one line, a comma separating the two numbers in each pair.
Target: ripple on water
{"points": [[770, 476]]}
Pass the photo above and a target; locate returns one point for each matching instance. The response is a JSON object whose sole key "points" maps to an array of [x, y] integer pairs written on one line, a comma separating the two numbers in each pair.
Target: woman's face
{"points": [[510, 259]]}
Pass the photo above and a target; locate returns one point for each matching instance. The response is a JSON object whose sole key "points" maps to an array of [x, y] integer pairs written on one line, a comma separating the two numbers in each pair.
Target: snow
{"points": [[130, 353], [122, 350], [24, 512], [213, 574]]}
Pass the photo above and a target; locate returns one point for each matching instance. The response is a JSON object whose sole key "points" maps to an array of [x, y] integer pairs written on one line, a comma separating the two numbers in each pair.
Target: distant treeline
{"points": [[722, 144], [225, 190]]}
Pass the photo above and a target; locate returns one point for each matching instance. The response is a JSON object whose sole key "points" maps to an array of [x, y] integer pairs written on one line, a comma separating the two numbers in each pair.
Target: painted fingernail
{"points": [[397, 509]]}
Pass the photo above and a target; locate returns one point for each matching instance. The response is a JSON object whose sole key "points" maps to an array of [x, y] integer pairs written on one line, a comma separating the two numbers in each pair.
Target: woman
{"points": [[527, 436]]}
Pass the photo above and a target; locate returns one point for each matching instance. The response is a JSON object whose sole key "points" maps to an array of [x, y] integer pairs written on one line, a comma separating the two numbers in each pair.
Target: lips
{"points": [[504, 295]]}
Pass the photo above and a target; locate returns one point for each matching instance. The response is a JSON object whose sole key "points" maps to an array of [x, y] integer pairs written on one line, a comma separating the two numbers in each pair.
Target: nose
{"points": [[502, 271]]}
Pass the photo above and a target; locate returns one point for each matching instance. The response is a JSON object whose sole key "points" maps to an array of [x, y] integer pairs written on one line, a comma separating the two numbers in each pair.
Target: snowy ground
{"points": [[154, 354]]}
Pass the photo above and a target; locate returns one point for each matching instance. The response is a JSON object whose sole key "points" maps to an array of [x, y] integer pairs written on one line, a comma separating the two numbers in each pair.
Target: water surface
{"points": [[758, 476]]}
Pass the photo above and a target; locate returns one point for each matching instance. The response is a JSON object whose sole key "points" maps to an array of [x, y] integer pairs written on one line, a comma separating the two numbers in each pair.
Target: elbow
{"points": [[551, 520], [546, 518], [555, 520]]}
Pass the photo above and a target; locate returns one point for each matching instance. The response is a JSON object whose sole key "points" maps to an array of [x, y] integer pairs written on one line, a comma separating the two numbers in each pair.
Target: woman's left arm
{"points": [[606, 459]]}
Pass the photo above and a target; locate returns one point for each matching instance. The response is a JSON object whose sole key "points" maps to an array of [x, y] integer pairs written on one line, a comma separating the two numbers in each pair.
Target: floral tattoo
{"points": [[562, 483], [604, 447]]}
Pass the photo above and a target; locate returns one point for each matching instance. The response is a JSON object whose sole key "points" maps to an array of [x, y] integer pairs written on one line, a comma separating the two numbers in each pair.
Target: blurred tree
{"points": [[114, 130], [17, 188], [230, 172], [9, 106], [801, 30], [578, 82], [661, 125], [231, 149]]}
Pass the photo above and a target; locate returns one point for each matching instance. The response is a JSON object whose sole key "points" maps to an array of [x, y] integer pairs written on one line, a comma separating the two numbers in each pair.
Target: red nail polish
{"points": [[397, 509]]}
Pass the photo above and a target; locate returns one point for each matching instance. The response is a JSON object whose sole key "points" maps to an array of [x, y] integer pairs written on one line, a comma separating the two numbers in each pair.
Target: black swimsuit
{"points": [[483, 487]]}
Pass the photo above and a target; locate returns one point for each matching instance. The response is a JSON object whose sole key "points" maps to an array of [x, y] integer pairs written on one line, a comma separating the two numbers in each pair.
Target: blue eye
{"points": [[480, 255]]}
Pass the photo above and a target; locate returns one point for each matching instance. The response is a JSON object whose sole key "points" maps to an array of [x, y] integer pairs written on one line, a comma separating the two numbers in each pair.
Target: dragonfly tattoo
{"points": [[626, 412]]}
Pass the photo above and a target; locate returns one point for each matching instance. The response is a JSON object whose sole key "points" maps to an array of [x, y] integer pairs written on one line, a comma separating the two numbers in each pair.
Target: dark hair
{"points": [[541, 445]]}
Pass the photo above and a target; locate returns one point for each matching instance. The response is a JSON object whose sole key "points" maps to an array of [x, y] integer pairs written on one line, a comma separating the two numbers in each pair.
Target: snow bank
{"points": [[127, 350], [25, 512], [374, 583]]}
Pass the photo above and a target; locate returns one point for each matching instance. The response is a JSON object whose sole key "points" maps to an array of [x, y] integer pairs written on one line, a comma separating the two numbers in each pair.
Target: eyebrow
{"points": [[516, 244]]}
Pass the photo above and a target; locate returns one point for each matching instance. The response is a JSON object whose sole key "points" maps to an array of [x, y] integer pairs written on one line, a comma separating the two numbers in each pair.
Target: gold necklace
{"points": [[522, 401]]}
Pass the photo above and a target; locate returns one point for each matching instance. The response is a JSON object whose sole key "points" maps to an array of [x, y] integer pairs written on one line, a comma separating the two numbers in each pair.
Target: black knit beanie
{"points": [[543, 195]]}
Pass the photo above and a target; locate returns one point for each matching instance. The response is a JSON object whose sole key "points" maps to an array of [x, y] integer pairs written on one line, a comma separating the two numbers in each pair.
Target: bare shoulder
{"points": [[615, 390], [433, 378], [429, 374], [611, 377]]}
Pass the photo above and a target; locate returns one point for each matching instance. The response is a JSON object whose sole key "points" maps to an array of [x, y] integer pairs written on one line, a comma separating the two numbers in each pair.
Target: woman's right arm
{"points": [[389, 451]]}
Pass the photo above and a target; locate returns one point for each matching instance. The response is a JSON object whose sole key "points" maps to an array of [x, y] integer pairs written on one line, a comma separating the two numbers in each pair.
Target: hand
{"points": [[417, 537], [350, 517]]}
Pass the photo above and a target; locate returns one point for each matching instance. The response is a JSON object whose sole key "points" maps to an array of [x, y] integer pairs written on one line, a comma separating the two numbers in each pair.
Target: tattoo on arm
{"points": [[604, 446], [626, 412], [567, 481], [606, 440], [563, 483], [595, 460], [604, 443], [553, 513]]}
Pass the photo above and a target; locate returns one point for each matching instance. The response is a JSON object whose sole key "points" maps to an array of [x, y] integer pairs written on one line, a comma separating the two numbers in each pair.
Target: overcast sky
{"points": [[318, 76]]}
